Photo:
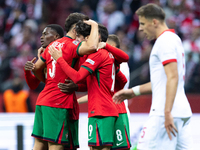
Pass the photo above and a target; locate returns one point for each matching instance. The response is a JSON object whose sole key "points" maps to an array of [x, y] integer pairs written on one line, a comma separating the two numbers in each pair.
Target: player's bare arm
{"points": [[40, 51], [89, 46], [171, 88], [38, 70], [83, 99], [121, 95]]}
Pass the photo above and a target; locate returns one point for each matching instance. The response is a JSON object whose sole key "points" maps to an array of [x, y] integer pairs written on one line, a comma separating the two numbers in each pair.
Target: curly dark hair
{"points": [[84, 29], [72, 19]]}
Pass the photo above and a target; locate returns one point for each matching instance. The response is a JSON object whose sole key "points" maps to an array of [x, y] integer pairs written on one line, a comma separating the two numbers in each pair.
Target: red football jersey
{"points": [[100, 83], [51, 95]]}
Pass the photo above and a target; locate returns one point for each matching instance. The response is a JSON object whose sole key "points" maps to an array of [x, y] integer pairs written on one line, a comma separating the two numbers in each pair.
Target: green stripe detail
{"points": [[74, 62], [77, 50], [42, 59], [90, 70], [117, 71], [68, 36], [98, 76]]}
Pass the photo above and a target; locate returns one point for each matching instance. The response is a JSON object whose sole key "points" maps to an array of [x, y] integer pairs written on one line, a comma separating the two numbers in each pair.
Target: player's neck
{"points": [[161, 29], [71, 34]]}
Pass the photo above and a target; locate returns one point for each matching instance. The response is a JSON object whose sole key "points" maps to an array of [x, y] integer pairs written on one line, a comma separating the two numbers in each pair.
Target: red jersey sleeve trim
{"points": [[168, 61]]}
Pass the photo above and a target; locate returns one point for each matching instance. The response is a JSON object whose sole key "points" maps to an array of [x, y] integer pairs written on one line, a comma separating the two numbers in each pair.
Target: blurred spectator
{"points": [[16, 100], [109, 16]]}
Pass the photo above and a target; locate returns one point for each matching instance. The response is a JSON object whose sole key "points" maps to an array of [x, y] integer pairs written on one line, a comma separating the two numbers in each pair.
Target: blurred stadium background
{"points": [[21, 25]]}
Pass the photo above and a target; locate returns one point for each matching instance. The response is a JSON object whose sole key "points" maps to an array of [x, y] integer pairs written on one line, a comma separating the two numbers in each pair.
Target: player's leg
{"points": [[122, 135], [184, 136], [101, 132], [55, 146], [40, 145]]}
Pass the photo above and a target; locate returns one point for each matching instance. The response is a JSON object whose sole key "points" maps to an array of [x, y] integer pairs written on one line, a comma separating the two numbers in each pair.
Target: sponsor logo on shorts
{"points": [[119, 143], [90, 139]]}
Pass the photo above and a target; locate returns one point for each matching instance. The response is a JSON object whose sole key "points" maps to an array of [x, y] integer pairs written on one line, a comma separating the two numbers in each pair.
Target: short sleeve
{"points": [[167, 51]]}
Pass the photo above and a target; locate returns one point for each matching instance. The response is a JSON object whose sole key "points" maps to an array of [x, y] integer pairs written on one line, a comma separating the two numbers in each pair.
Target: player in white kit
{"points": [[168, 126]]}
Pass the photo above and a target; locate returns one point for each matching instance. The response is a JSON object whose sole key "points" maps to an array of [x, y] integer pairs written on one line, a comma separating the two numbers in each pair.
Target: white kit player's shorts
{"points": [[154, 136]]}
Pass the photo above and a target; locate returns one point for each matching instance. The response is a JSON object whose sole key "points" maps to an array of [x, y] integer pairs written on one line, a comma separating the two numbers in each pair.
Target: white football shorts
{"points": [[154, 136]]}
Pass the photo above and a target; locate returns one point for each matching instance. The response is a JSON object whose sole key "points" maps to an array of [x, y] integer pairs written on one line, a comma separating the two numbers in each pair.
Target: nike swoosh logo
{"points": [[119, 143], [90, 139]]}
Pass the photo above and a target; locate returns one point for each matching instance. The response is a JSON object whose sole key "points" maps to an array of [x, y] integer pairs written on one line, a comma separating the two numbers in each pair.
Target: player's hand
{"points": [[121, 95], [101, 45], [40, 51], [30, 65], [169, 125], [68, 87], [90, 22], [55, 53]]}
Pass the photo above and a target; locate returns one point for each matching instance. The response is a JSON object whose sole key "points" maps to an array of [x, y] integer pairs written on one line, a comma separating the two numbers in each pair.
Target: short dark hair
{"points": [[103, 32], [83, 28], [151, 11], [114, 38], [57, 28], [72, 19]]}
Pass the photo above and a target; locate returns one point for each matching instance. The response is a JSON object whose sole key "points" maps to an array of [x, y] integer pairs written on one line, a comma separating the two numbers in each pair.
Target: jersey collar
{"points": [[171, 30], [68, 36]]}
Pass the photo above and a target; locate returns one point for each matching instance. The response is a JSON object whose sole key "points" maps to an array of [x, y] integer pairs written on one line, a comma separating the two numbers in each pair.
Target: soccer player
{"points": [[99, 68], [170, 110], [122, 134], [51, 33], [53, 118]]}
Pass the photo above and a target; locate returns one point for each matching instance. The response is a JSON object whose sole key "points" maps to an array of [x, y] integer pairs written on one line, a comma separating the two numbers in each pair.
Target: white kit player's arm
{"points": [[171, 88], [123, 94]]}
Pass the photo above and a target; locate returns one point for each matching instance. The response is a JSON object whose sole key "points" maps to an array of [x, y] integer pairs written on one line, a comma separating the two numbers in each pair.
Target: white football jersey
{"points": [[168, 48]]}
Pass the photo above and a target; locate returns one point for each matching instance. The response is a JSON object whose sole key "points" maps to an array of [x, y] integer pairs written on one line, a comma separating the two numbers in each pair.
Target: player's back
{"points": [[51, 94], [101, 84]]}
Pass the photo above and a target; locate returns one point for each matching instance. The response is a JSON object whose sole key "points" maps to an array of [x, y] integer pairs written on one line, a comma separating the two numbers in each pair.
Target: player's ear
{"points": [[57, 36]]}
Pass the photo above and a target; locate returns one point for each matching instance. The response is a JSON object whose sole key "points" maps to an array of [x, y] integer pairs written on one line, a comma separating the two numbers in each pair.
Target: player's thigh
{"points": [[121, 135], [184, 135], [100, 148], [101, 131], [40, 145], [153, 136], [55, 146]]}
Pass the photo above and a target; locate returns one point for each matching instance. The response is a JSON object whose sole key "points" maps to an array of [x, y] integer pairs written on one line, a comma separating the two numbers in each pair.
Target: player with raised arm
{"points": [[53, 117], [170, 110], [100, 71], [122, 133]]}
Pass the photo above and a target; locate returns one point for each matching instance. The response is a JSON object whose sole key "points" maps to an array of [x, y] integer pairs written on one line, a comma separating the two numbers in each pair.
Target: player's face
{"points": [[147, 27], [48, 36], [80, 38]]}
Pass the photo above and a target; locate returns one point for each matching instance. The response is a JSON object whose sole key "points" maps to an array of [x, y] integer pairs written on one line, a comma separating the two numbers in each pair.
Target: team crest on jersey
{"points": [[75, 42], [90, 61], [58, 44]]}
